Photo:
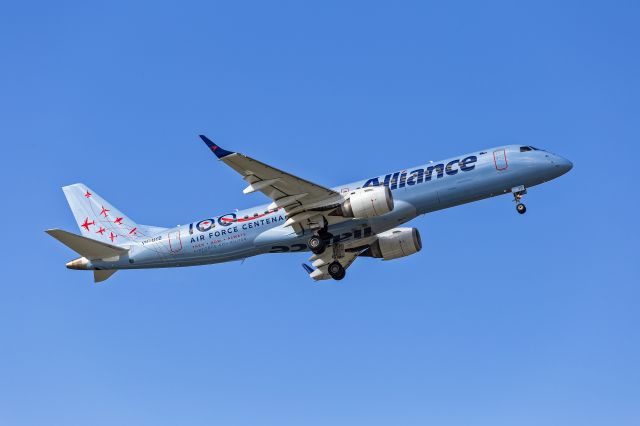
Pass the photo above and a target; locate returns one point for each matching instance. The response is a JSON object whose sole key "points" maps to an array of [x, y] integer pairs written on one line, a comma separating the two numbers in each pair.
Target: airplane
{"points": [[337, 225]]}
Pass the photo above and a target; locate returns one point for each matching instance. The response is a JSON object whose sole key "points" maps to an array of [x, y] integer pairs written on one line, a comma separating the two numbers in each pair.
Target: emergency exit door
{"points": [[500, 159], [175, 243]]}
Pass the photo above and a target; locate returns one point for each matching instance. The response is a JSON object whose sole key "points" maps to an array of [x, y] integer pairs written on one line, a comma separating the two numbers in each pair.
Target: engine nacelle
{"points": [[395, 243], [368, 202]]}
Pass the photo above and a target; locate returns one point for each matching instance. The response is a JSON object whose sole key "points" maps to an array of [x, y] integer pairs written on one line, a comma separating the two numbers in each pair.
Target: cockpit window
{"points": [[529, 148]]}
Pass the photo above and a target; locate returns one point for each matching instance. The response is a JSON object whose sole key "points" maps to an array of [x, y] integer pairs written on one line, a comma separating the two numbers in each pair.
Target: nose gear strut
{"points": [[519, 192]]}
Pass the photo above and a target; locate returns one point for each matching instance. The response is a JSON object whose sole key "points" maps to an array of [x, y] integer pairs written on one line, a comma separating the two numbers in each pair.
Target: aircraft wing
{"points": [[298, 197]]}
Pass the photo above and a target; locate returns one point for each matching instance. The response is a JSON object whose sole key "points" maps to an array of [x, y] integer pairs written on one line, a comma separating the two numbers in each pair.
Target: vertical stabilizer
{"points": [[100, 220]]}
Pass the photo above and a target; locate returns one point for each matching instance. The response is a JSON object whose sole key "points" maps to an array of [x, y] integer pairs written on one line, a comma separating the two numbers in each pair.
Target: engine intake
{"points": [[364, 203], [395, 243]]}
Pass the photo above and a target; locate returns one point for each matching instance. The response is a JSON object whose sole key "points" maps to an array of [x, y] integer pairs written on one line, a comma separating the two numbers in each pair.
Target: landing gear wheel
{"points": [[521, 208], [316, 244], [336, 271]]}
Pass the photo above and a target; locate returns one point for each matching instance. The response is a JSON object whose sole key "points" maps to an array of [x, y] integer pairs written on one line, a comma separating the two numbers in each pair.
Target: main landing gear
{"points": [[518, 193], [336, 270], [318, 242]]}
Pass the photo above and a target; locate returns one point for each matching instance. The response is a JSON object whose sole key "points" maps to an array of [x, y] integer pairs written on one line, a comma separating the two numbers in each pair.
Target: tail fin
{"points": [[100, 220]]}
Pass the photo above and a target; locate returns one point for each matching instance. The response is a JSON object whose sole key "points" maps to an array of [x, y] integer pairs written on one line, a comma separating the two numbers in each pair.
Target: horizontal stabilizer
{"points": [[100, 275], [87, 247]]}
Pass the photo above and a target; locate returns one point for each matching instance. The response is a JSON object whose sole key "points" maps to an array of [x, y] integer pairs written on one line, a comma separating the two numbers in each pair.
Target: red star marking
{"points": [[113, 236], [88, 194], [118, 220], [104, 211], [100, 231], [87, 224], [133, 231]]}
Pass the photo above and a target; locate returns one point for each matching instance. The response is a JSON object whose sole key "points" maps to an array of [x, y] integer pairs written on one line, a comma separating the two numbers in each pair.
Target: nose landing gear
{"points": [[518, 192]]}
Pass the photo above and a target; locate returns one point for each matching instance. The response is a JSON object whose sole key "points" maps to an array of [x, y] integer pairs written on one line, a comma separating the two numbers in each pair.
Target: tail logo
{"points": [[87, 224], [87, 194], [104, 211]]}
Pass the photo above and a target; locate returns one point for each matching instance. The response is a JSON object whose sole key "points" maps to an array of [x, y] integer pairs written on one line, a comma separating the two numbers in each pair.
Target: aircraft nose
{"points": [[563, 164]]}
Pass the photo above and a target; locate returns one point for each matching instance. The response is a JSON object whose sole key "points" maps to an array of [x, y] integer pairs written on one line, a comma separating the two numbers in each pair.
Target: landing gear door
{"points": [[500, 160]]}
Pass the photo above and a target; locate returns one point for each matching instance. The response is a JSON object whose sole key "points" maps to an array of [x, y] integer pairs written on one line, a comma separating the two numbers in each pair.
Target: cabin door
{"points": [[500, 159]]}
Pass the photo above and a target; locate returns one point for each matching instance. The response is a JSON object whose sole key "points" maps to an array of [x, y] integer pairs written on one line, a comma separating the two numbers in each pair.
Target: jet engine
{"points": [[395, 243], [368, 202]]}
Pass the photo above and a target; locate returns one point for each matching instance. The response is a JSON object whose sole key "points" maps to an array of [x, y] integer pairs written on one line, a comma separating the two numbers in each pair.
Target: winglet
{"points": [[219, 152], [307, 268]]}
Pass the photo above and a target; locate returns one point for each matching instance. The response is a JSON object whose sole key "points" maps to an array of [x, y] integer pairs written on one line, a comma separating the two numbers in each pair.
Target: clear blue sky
{"points": [[500, 320]]}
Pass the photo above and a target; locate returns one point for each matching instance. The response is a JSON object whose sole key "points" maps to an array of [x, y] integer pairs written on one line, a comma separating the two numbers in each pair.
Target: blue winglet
{"points": [[307, 268], [219, 152]]}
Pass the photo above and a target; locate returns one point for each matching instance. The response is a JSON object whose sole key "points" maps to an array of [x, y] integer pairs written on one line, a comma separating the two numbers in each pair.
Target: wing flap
{"points": [[273, 182]]}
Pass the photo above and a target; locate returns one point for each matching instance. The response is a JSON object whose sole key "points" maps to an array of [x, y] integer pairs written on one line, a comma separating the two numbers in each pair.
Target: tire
{"points": [[521, 208], [316, 244], [336, 271]]}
